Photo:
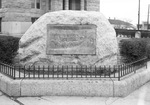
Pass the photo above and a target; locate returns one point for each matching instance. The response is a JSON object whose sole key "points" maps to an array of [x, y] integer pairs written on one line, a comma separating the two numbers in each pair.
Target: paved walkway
{"points": [[138, 97]]}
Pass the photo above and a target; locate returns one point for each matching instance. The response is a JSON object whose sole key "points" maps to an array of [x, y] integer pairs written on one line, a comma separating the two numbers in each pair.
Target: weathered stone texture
{"points": [[71, 39], [33, 43]]}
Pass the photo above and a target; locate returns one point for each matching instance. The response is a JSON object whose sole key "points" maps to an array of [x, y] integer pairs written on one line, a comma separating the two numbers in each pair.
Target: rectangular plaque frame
{"points": [[64, 39]]}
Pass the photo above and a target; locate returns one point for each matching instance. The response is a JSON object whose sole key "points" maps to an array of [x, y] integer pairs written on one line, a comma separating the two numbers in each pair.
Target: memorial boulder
{"points": [[69, 38]]}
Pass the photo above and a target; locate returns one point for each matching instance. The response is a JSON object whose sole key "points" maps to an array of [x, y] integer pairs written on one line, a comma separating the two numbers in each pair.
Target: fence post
{"points": [[86, 70], [14, 72], [29, 72], [95, 71], [19, 71], [105, 71], [34, 71], [81, 69], [0, 67], [118, 72], [53, 71], [67, 71], [62, 71], [100, 70], [114, 71], [24, 71], [109, 71], [76, 71], [57, 71], [72, 70], [38, 71], [91, 71], [48, 71], [43, 71], [134, 70]]}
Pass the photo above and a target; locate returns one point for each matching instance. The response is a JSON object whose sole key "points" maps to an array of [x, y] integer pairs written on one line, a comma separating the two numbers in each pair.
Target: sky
{"points": [[125, 10]]}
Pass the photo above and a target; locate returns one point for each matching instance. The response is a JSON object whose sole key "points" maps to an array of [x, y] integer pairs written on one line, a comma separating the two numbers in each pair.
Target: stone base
{"points": [[75, 87]]}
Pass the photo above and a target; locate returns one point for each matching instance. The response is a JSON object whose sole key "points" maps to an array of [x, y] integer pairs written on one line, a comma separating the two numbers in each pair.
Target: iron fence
{"points": [[66, 72]]}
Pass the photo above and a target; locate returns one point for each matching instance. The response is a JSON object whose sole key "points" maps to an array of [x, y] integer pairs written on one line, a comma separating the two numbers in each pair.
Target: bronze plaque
{"points": [[71, 39]]}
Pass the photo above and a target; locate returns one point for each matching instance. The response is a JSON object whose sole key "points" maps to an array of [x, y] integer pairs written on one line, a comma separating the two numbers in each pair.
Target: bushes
{"points": [[130, 49], [148, 51], [134, 49], [8, 48]]}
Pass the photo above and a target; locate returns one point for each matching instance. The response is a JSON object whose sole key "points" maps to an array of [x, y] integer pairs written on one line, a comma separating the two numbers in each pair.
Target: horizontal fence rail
{"points": [[66, 72]]}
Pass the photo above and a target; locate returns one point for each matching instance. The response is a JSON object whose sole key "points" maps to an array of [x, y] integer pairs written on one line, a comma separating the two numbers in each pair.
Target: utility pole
{"points": [[148, 17], [99, 5], [139, 15]]}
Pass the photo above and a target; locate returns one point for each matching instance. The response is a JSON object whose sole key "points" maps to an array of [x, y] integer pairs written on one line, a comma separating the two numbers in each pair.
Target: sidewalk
{"points": [[138, 97]]}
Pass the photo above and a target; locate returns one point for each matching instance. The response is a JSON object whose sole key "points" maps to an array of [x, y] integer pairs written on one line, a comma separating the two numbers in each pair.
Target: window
{"points": [[33, 4], [49, 4], [36, 4], [85, 4], [74, 4], [33, 19], [63, 4], [0, 3]]}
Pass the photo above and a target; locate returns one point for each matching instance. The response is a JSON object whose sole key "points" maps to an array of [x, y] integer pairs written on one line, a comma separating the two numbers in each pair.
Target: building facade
{"points": [[16, 16], [144, 26]]}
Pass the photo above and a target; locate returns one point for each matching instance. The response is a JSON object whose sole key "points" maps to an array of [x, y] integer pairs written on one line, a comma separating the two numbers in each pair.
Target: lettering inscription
{"points": [[71, 39]]}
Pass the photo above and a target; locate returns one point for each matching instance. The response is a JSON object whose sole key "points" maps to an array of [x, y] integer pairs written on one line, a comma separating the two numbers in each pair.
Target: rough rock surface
{"points": [[32, 50]]}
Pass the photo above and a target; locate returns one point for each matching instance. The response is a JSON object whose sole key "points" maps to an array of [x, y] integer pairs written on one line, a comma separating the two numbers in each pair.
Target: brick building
{"points": [[16, 16]]}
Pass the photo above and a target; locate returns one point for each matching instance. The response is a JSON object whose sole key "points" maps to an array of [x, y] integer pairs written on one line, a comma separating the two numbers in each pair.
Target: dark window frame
{"points": [[36, 4], [63, 4], [0, 3], [77, 4], [85, 4], [50, 4]]}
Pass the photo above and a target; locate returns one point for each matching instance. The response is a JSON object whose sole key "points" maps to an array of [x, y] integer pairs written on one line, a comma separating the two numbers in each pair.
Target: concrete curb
{"points": [[98, 88]]}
